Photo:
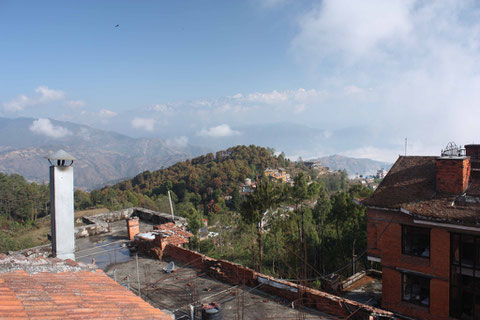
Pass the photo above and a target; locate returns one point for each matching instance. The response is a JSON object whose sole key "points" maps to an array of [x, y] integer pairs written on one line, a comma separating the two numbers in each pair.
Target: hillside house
{"points": [[279, 174], [423, 228], [246, 189], [269, 172], [381, 173]]}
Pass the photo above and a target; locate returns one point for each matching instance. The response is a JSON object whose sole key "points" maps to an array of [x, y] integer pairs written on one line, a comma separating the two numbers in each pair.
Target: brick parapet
{"points": [[235, 274]]}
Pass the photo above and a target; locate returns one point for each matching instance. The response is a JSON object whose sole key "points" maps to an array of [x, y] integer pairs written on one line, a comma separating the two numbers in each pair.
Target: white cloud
{"points": [[414, 148], [299, 108], [104, 113], [232, 108], [46, 128], [238, 109], [85, 134], [47, 94], [43, 95], [279, 97], [352, 89], [220, 131], [369, 152], [327, 134], [18, 104], [353, 27], [409, 66], [177, 142], [163, 108], [269, 98], [305, 95], [75, 103], [147, 124]]}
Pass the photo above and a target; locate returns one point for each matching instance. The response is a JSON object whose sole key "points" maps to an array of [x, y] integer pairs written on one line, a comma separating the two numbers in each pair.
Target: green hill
{"points": [[202, 182]]}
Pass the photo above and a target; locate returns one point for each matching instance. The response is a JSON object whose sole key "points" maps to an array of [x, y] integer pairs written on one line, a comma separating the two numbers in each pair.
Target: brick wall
{"points": [[452, 175], [133, 227], [237, 274], [389, 248], [377, 222], [473, 151]]}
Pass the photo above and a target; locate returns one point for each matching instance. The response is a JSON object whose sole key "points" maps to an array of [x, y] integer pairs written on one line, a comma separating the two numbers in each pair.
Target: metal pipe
{"points": [[138, 276]]}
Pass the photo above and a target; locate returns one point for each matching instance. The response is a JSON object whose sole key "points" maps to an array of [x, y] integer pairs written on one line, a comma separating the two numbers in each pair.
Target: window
{"points": [[416, 289], [465, 276], [416, 241]]}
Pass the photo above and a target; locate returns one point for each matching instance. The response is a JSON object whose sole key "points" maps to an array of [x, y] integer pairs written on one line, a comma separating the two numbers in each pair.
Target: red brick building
{"points": [[423, 226]]}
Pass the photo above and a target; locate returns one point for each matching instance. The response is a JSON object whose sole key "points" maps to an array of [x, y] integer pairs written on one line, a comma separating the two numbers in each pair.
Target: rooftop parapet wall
{"points": [[235, 274], [98, 224], [157, 217]]}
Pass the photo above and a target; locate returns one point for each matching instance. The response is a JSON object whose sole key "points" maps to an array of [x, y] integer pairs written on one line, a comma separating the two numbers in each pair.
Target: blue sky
{"points": [[192, 70], [162, 50]]}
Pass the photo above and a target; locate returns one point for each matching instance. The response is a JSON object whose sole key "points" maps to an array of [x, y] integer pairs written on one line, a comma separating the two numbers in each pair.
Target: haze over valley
{"points": [[105, 157]]}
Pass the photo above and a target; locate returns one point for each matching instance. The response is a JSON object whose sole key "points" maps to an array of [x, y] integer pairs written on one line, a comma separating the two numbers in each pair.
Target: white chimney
{"points": [[61, 205]]}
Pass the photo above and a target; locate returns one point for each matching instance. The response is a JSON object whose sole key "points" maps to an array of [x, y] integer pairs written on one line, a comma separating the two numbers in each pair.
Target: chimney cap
{"points": [[60, 155]]}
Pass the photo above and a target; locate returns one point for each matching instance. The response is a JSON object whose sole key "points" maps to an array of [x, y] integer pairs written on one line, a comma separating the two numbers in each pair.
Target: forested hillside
{"points": [[202, 182], [21, 205]]}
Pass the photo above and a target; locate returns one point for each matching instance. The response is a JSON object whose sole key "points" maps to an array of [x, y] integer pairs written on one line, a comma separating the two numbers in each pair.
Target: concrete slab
{"points": [[176, 291], [367, 290]]}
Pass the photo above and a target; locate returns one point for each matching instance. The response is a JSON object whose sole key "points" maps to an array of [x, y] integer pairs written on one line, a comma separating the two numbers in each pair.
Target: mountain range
{"points": [[105, 157], [102, 157], [354, 166]]}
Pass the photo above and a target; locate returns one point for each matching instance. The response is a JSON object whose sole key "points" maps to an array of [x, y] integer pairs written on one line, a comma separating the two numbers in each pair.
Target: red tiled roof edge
{"points": [[73, 292]]}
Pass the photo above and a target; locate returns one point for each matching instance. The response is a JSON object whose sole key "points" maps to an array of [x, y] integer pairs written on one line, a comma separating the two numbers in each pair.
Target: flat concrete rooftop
{"points": [[367, 290], [175, 292], [109, 248]]}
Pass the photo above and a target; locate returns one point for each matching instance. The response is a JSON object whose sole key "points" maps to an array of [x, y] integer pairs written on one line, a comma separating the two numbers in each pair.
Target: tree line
{"points": [[296, 232], [21, 204], [201, 183]]}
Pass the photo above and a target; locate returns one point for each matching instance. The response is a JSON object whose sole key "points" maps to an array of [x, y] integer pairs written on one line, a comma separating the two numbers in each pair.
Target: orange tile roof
{"points": [[84, 294]]}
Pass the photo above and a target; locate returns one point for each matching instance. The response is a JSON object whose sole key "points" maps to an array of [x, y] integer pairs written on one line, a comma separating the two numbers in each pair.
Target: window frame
{"points": [[403, 285], [404, 239], [462, 268]]}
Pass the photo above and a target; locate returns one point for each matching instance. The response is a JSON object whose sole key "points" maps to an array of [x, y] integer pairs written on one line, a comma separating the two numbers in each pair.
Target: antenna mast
{"points": [[171, 206], [406, 147]]}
